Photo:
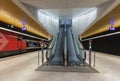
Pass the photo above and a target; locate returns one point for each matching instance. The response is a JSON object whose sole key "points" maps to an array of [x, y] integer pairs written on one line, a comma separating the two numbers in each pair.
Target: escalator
{"points": [[72, 58], [66, 41], [58, 58]]}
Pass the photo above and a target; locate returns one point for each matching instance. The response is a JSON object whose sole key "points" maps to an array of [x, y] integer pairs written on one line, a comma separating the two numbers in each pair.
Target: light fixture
{"points": [[24, 28], [112, 22]]}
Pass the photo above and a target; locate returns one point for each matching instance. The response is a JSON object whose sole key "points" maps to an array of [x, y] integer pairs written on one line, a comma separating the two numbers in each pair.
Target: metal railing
{"points": [[92, 58]]}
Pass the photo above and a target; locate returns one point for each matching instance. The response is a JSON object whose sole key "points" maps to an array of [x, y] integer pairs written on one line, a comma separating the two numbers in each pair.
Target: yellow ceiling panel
{"points": [[104, 24], [13, 15]]}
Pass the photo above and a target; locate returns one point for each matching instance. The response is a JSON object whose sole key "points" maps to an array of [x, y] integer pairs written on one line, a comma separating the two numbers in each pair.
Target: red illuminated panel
{"points": [[9, 42]]}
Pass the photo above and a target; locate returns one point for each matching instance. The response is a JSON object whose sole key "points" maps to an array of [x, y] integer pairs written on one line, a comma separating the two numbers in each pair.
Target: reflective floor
{"points": [[22, 68]]}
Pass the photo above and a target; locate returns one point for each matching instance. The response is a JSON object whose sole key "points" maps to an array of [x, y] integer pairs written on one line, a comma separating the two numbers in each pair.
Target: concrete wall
{"points": [[50, 22]]}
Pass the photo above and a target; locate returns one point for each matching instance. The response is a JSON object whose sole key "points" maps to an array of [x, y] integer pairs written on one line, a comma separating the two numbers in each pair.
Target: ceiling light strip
{"points": [[101, 36], [22, 33]]}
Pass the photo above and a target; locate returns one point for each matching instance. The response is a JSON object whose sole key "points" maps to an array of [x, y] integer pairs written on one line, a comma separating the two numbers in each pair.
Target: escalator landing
{"points": [[81, 69]]}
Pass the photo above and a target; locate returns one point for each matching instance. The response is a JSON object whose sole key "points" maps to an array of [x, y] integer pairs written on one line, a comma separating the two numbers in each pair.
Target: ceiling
{"points": [[63, 4], [65, 13], [64, 8]]}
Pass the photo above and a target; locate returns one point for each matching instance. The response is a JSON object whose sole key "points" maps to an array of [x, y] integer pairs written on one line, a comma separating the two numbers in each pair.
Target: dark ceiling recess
{"points": [[110, 44]]}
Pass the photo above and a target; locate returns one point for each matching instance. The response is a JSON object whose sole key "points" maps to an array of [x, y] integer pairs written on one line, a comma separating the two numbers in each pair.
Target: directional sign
{"points": [[3, 41]]}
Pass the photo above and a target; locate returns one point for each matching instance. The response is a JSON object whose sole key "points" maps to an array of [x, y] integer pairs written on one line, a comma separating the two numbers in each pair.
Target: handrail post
{"points": [[38, 57], [42, 55], [84, 56], [94, 59], [90, 50]]}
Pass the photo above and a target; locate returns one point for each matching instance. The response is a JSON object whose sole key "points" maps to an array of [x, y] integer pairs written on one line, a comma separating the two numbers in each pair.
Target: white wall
{"points": [[82, 21], [50, 22]]}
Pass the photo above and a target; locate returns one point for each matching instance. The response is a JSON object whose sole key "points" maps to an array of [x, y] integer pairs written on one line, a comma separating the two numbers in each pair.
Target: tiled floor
{"points": [[22, 68]]}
